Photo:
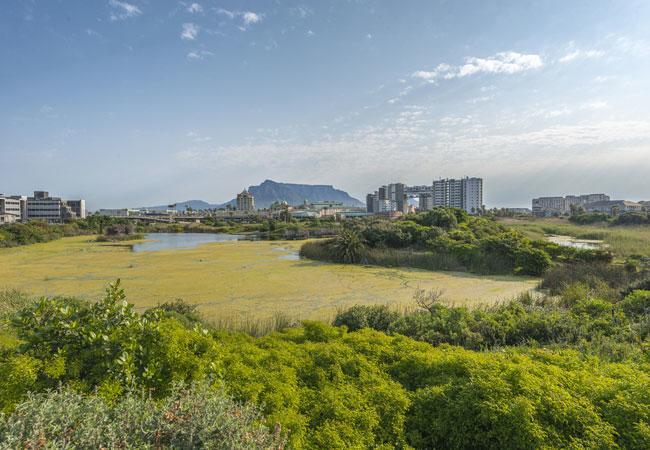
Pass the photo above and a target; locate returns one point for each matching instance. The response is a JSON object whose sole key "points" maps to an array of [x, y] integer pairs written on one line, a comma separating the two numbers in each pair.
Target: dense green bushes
{"points": [[329, 387], [444, 238]]}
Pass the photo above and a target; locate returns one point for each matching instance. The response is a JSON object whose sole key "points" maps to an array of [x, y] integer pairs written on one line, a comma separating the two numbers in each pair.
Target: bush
{"points": [[194, 416], [637, 303]]}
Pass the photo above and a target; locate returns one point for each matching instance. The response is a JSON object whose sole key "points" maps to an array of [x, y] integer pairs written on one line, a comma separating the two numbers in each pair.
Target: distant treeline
{"points": [[447, 239], [111, 228]]}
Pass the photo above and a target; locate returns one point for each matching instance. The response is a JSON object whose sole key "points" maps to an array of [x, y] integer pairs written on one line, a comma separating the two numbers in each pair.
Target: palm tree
{"points": [[349, 246]]}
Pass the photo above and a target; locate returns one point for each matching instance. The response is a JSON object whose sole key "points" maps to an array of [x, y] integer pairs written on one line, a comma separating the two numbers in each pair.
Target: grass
{"points": [[235, 283], [623, 241]]}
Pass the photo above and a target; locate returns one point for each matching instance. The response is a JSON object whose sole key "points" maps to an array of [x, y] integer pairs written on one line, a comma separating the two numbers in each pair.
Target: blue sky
{"points": [[135, 102]]}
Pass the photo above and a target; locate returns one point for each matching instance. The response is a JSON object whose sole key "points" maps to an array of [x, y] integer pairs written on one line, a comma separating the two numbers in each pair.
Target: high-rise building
{"points": [[381, 193], [465, 193], [245, 201], [472, 195], [371, 199], [426, 202]]}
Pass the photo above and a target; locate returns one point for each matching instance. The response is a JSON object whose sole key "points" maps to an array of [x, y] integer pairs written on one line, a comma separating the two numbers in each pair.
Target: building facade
{"points": [[10, 209], [41, 206], [614, 207], [557, 206], [245, 201]]}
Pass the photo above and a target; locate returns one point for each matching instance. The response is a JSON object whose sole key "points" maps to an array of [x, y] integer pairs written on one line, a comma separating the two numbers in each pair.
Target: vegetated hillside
{"points": [[295, 194]]}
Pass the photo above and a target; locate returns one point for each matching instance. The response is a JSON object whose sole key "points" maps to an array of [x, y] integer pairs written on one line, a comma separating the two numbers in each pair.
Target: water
{"points": [[176, 241], [568, 241]]}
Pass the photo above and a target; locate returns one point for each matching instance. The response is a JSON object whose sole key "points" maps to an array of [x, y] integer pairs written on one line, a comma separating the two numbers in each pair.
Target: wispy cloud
{"points": [[198, 55], [501, 63], [190, 31], [247, 17], [581, 54], [123, 10], [301, 11], [195, 8]]}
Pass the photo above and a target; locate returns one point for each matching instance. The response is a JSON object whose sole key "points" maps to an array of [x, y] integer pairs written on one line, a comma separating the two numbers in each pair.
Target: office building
{"points": [[10, 209], [41, 206], [245, 201]]}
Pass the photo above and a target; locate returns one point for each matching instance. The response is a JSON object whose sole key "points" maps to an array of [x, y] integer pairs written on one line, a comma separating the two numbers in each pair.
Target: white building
{"points": [[465, 193], [120, 212], [10, 209], [472, 195]]}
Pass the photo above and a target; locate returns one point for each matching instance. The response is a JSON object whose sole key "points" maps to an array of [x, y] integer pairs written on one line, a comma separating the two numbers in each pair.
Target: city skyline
{"points": [[132, 103]]}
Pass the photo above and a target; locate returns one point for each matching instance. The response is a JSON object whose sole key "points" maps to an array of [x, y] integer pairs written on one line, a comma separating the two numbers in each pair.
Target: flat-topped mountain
{"points": [[271, 191]]}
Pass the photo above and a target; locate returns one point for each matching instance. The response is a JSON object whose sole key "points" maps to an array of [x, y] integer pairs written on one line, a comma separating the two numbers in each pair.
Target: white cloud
{"points": [[310, 33], [601, 79], [123, 10], [195, 8], [190, 31], [46, 109], [247, 17], [368, 36], [197, 55], [581, 54], [501, 63], [250, 17]]}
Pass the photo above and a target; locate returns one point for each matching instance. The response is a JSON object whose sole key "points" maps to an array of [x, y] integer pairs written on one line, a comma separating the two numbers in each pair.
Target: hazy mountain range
{"points": [[272, 191]]}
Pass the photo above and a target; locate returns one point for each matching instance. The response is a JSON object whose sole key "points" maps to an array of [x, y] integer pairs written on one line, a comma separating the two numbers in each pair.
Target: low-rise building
{"points": [[120, 212], [550, 206], [10, 209], [614, 207]]}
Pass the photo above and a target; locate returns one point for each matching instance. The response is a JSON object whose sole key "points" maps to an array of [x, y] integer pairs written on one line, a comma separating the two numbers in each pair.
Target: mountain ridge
{"points": [[269, 191]]}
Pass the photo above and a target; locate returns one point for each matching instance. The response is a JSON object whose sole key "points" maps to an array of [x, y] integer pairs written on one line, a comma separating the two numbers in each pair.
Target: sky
{"points": [[141, 102]]}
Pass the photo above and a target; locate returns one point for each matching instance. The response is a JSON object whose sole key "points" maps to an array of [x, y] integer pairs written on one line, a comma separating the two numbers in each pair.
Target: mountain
{"points": [[295, 194], [271, 191]]}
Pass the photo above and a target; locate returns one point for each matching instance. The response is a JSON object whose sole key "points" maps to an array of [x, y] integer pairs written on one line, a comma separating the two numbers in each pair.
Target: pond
{"points": [[569, 241], [176, 241]]}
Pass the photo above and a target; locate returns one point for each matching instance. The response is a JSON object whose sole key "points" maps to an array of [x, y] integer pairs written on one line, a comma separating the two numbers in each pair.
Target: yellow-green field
{"points": [[623, 241], [233, 278]]}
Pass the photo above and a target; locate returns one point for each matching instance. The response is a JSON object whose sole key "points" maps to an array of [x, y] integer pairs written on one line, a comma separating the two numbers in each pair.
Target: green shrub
{"points": [[194, 416]]}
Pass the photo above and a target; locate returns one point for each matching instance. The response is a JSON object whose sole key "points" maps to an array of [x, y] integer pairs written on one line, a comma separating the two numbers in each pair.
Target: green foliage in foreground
{"points": [[193, 416], [325, 386]]}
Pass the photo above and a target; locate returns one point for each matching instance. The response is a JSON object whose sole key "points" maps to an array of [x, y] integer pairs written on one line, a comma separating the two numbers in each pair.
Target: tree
{"points": [[349, 246]]}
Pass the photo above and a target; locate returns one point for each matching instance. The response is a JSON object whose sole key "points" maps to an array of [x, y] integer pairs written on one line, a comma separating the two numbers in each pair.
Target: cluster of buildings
{"points": [[393, 199], [590, 203], [40, 206]]}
